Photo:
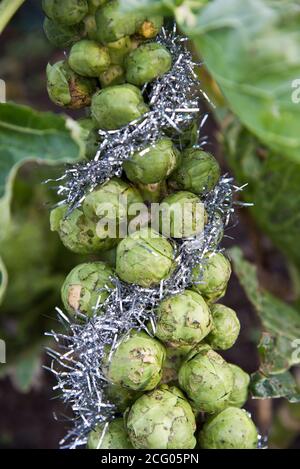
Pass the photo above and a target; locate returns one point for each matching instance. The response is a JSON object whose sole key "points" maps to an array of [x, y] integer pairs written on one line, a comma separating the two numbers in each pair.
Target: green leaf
{"points": [[272, 387], [252, 51], [36, 263], [3, 279], [273, 187], [29, 135], [279, 348]]}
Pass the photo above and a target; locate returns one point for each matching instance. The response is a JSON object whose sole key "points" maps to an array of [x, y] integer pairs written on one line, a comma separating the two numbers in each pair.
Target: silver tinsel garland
{"points": [[174, 105], [81, 348]]}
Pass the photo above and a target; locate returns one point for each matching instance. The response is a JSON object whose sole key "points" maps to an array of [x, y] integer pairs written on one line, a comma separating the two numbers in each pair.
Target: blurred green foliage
{"points": [[33, 262]]}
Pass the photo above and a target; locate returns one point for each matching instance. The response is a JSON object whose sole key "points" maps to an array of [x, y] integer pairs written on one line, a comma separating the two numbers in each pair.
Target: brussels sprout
{"points": [[136, 363], [113, 437], [67, 12], [207, 379], [87, 287], [114, 75], [226, 328], [119, 49], [66, 88], [212, 279], [77, 232], [147, 62], [144, 258], [173, 362], [162, 419], [182, 215], [230, 429], [87, 124], [218, 233], [121, 397], [90, 27], [151, 27], [89, 59], [152, 193], [61, 35], [183, 319], [95, 4], [199, 171], [108, 205], [241, 381], [117, 106], [113, 23], [90, 136], [154, 164]]}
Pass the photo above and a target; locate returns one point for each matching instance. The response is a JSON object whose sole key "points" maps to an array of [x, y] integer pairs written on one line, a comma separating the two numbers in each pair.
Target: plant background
{"points": [[36, 262]]}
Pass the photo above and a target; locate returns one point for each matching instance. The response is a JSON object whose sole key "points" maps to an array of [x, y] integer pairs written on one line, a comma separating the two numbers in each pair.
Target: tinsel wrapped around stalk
{"points": [[153, 309]]}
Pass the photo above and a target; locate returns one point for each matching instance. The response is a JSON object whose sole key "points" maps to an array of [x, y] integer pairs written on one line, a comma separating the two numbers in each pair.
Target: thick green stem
{"points": [[7, 10]]}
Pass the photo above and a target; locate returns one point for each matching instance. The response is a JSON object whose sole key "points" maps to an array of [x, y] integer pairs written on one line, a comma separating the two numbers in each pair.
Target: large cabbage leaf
{"points": [[279, 347], [25, 135], [251, 48], [273, 187]]}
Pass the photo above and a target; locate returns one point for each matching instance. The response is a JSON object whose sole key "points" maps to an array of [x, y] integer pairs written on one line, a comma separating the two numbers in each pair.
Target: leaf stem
{"points": [[7, 10]]}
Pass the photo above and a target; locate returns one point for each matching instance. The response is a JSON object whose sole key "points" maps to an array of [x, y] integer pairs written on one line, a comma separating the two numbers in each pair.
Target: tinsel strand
{"points": [[76, 364]]}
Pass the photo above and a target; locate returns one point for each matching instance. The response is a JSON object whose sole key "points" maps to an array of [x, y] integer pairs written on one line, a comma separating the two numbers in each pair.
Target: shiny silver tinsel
{"points": [[81, 348], [174, 106], [174, 103]]}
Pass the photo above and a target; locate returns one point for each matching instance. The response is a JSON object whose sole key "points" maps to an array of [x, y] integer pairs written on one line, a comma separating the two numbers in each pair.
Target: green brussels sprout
{"points": [[162, 419], [230, 429], [144, 258], [117, 106], [67, 12], [212, 279], [89, 59], [152, 193], [147, 62], [89, 136], [151, 27], [241, 381], [173, 362], [87, 124], [114, 75], [113, 437], [226, 328], [60, 35], [66, 88], [153, 164], [108, 205], [90, 27], [119, 49], [207, 379], [121, 397], [86, 287], [92, 144], [136, 363], [77, 232], [95, 4], [113, 22], [183, 319], [218, 234], [199, 171], [182, 215]]}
